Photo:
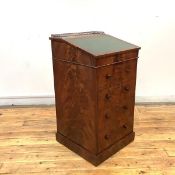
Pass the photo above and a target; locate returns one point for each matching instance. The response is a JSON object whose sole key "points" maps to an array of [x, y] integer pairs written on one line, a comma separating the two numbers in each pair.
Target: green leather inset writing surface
{"points": [[100, 44]]}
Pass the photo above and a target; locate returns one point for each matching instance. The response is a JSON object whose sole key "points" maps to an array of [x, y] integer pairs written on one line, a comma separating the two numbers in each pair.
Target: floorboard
{"points": [[28, 145]]}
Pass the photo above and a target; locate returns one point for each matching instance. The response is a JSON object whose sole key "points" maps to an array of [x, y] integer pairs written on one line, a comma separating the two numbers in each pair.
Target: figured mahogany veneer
{"points": [[94, 93]]}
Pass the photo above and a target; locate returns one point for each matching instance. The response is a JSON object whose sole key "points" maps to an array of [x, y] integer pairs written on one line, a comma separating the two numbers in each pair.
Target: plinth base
{"points": [[92, 158]]}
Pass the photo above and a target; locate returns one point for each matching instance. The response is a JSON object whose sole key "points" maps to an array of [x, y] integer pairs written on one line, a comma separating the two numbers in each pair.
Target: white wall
{"points": [[25, 54]]}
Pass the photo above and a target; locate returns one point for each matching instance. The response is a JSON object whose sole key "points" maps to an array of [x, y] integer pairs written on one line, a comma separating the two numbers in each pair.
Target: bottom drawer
{"points": [[115, 128]]}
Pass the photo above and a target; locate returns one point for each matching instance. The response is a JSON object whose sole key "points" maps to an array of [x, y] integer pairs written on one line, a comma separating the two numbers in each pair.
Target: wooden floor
{"points": [[28, 146]]}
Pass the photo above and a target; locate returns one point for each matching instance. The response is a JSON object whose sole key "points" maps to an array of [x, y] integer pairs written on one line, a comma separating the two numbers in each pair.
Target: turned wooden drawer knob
{"points": [[107, 116], [126, 88], [107, 137], [124, 126], [125, 107], [107, 96], [108, 76]]}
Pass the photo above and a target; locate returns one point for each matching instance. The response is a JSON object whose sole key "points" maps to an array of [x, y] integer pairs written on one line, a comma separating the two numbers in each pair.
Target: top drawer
{"points": [[119, 57], [115, 74]]}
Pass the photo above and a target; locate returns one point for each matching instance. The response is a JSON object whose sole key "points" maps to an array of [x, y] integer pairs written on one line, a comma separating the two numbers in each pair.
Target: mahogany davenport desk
{"points": [[94, 80]]}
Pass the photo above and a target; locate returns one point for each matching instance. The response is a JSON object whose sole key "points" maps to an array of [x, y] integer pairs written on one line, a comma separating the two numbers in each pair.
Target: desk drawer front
{"points": [[115, 74], [117, 58], [116, 98]]}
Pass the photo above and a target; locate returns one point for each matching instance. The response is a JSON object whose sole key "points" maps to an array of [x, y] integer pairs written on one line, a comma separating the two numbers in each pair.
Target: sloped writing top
{"points": [[95, 42]]}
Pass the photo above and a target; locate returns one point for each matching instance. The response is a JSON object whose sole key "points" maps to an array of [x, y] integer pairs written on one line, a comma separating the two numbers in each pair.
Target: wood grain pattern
{"points": [[95, 98], [65, 51], [76, 103], [31, 148]]}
